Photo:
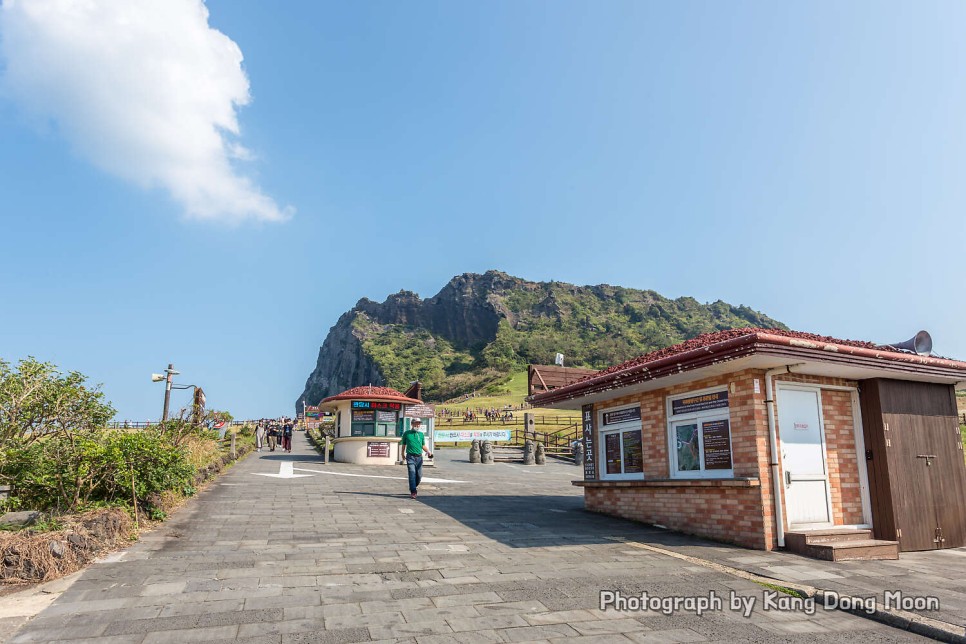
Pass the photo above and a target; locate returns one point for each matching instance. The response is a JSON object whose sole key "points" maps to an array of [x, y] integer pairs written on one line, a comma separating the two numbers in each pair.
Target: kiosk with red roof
{"points": [[369, 422]]}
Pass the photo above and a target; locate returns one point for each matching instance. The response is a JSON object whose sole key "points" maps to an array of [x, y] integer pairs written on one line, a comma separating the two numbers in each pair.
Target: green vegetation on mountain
{"points": [[480, 329]]}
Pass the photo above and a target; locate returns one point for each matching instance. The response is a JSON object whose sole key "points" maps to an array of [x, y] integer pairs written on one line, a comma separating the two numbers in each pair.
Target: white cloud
{"points": [[143, 88]]}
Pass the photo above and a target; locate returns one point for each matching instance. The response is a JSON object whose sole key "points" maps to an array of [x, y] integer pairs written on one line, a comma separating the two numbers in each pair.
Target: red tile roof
{"points": [[708, 339], [369, 392], [720, 346]]}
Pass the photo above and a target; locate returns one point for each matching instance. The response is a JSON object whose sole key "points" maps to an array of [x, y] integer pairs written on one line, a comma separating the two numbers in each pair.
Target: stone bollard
{"points": [[475, 451], [486, 453], [528, 453], [325, 451], [540, 455], [579, 454]]}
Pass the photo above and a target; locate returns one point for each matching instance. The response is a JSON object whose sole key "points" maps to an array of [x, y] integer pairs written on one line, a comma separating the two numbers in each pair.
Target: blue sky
{"points": [[804, 159]]}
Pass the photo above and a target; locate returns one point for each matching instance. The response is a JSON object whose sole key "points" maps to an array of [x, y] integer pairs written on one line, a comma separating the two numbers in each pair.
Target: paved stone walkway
{"points": [[336, 555]]}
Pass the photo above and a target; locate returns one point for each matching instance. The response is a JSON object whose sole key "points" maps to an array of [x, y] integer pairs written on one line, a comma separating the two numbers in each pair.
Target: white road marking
{"points": [[376, 476], [525, 469], [285, 471], [405, 511]]}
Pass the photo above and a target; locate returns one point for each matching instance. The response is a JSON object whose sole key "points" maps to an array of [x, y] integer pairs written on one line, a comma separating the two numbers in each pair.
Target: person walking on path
{"points": [[259, 436], [287, 436], [414, 442], [272, 437]]}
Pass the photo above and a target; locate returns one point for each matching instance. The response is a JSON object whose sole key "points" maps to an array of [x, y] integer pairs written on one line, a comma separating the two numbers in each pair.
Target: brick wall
{"points": [[733, 515]]}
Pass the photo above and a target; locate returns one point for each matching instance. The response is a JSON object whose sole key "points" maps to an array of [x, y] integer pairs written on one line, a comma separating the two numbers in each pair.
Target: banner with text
{"points": [[465, 436]]}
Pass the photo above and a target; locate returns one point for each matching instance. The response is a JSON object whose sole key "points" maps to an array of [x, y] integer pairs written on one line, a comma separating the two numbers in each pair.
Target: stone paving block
{"points": [[179, 622], [610, 638], [191, 635], [45, 635], [397, 605], [240, 617], [439, 614], [339, 636], [494, 622], [670, 636], [409, 629], [559, 617], [468, 599], [512, 608], [200, 608], [546, 631], [476, 637], [372, 619], [281, 627], [172, 588], [607, 626], [113, 639]]}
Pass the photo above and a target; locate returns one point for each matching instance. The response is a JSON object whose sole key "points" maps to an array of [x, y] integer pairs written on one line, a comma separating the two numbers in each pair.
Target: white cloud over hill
{"points": [[145, 89]]}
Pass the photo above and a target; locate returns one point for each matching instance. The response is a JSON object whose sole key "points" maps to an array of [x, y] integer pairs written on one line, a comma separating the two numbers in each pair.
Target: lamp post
{"points": [[168, 377]]}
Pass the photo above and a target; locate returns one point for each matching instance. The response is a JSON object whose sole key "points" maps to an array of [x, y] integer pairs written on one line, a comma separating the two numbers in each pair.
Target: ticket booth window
{"points": [[369, 422], [621, 445]]}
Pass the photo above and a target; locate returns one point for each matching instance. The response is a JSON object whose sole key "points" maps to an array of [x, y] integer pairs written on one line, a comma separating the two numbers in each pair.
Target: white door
{"points": [[807, 497]]}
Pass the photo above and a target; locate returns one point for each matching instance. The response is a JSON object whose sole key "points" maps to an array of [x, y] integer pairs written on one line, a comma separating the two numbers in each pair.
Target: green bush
{"points": [[67, 473]]}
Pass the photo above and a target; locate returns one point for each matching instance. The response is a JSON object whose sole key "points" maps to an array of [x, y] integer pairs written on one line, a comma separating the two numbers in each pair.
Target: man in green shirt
{"points": [[414, 442]]}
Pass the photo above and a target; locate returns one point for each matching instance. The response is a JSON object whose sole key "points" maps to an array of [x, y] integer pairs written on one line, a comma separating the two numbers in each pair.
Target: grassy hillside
{"points": [[513, 392]]}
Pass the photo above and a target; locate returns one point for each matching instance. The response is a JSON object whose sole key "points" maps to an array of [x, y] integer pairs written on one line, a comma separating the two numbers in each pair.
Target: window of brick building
{"points": [[621, 449], [699, 434]]}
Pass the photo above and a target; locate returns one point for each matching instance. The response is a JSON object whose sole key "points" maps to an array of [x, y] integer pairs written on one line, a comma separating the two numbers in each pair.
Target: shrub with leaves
{"points": [[68, 473], [37, 401]]}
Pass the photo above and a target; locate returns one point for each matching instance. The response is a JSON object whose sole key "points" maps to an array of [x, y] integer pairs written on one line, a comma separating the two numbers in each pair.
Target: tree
{"points": [[36, 401], [499, 354]]}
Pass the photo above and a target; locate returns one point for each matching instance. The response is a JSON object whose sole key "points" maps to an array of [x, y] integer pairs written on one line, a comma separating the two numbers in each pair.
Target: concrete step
{"points": [[829, 535], [866, 550], [840, 545]]}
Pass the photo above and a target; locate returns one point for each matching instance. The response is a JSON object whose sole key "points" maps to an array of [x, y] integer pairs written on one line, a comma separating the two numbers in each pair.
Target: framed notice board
{"points": [[590, 442]]}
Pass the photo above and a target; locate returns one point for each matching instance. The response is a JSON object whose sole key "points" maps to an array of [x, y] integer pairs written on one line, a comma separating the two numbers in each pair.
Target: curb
{"points": [[900, 619]]}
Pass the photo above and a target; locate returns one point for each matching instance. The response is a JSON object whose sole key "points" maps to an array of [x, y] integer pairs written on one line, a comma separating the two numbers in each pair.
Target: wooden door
{"points": [[948, 482], [928, 499], [915, 504], [915, 463]]}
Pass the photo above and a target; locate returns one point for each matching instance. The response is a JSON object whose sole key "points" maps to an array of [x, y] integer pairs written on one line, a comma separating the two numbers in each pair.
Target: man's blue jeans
{"points": [[415, 466]]}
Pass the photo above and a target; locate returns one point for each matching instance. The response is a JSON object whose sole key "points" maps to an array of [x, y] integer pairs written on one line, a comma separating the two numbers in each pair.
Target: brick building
{"points": [[770, 438]]}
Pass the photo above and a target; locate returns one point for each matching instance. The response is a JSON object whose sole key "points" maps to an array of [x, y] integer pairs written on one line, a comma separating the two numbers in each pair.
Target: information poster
{"points": [[717, 444], [419, 411], [633, 452], [590, 453], [363, 416], [612, 453], [385, 416], [687, 447], [377, 450]]}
